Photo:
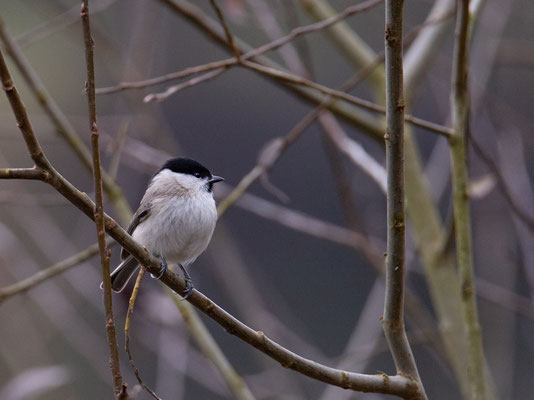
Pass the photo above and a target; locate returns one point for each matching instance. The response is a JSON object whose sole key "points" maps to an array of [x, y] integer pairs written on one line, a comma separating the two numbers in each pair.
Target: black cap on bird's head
{"points": [[191, 167]]}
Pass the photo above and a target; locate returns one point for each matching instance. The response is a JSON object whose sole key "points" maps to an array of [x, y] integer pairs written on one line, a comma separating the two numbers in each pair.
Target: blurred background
{"points": [[299, 256]]}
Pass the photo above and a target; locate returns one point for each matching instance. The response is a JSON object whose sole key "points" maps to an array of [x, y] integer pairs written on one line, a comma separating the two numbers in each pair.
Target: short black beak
{"points": [[215, 179]]}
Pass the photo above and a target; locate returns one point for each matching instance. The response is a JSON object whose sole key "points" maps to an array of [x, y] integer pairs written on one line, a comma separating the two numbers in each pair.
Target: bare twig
{"points": [[184, 85], [462, 218], [229, 36], [99, 200], [131, 305], [41, 276], [23, 173], [393, 319]]}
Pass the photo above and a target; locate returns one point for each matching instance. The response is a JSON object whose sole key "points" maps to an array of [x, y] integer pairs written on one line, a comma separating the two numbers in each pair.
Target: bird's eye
{"points": [[197, 174]]}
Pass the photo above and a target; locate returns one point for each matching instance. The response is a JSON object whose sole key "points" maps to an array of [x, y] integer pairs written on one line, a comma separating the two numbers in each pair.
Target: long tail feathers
{"points": [[123, 273]]}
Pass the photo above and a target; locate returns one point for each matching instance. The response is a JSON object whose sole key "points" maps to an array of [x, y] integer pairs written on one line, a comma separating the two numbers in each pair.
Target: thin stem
{"points": [[393, 319], [99, 206], [23, 173], [227, 32], [131, 305], [462, 217], [41, 276]]}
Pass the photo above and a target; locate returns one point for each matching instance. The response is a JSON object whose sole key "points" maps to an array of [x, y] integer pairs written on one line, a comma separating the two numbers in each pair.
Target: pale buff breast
{"points": [[180, 228]]}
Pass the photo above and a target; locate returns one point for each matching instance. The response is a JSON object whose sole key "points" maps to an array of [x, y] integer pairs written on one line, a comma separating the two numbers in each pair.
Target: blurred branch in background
{"points": [[460, 106], [50, 272]]}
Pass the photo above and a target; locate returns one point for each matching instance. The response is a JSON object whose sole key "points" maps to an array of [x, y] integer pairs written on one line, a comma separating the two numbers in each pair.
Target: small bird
{"points": [[175, 220]]}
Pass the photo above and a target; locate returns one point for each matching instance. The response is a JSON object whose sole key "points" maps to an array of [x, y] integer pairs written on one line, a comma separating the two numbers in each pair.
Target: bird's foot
{"points": [[163, 268], [188, 283]]}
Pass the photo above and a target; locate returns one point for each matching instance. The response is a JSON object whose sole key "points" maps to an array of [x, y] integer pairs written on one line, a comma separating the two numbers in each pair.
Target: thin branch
{"points": [[99, 200], [184, 85], [23, 173], [229, 36], [462, 217], [54, 270], [393, 319], [131, 305]]}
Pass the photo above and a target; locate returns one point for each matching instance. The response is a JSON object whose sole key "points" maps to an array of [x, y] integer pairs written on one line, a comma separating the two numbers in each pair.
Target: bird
{"points": [[175, 219]]}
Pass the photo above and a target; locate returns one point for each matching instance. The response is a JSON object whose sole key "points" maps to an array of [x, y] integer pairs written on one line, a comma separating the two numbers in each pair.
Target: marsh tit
{"points": [[175, 219]]}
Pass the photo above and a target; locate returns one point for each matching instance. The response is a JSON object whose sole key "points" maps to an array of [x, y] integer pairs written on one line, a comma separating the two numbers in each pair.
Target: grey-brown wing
{"points": [[140, 215]]}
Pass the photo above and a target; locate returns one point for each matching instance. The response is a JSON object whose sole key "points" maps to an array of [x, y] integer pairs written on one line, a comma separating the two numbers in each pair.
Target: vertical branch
{"points": [[99, 207], [462, 218], [393, 319]]}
